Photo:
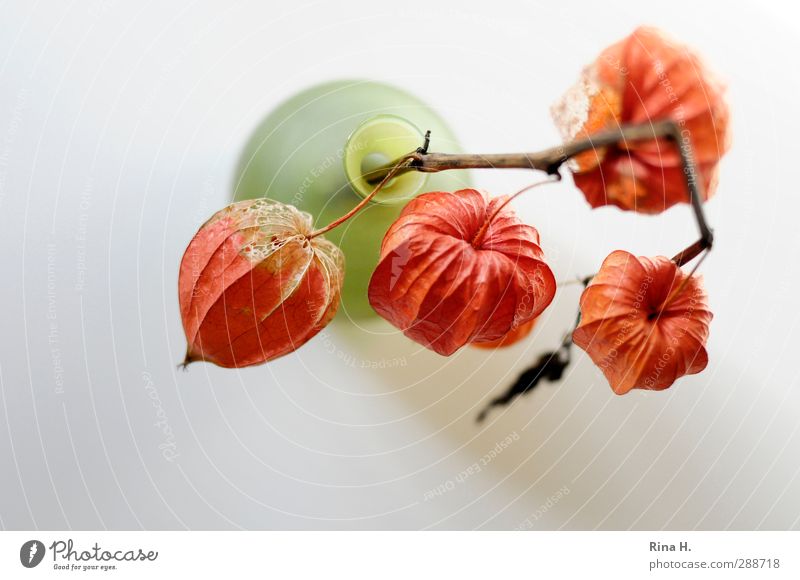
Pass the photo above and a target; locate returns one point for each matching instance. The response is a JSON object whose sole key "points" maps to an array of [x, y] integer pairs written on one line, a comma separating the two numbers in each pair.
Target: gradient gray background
{"points": [[120, 124]]}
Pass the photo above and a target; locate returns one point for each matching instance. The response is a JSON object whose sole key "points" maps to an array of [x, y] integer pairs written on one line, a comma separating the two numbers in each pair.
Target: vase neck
{"points": [[375, 142]]}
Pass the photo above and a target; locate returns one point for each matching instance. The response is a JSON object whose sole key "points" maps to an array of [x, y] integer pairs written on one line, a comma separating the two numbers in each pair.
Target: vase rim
{"points": [[414, 185]]}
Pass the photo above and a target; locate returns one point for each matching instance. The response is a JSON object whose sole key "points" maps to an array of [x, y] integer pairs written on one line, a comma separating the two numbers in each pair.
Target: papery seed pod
{"points": [[451, 272], [253, 286], [643, 78], [644, 322]]}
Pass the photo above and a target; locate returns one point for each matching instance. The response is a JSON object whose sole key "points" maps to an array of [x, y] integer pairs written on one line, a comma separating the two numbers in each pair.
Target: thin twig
{"points": [[548, 160], [694, 184], [683, 284], [399, 165], [482, 231]]}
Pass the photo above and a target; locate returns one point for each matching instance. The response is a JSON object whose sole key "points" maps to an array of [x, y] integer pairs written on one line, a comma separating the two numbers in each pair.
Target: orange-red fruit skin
{"points": [[643, 78], [644, 322], [253, 287], [443, 287]]}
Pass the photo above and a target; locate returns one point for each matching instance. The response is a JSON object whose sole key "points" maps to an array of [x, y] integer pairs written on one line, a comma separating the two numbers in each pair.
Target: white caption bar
{"points": [[401, 555]]}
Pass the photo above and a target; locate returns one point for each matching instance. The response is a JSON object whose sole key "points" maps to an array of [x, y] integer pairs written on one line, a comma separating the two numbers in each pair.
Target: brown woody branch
{"points": [[550, 161]]}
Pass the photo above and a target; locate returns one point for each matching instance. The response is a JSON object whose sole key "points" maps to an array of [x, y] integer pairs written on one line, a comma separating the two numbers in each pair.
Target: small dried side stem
{"points": [[399, 165]]}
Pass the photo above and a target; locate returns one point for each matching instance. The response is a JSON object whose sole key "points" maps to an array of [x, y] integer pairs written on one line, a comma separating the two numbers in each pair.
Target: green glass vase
{"points": [[313, 149]]}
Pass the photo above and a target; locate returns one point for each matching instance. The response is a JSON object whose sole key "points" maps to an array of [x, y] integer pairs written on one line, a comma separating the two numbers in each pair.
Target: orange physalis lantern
{"points": [[644, 78], [253, 286], [644, 322], [459, 268]]}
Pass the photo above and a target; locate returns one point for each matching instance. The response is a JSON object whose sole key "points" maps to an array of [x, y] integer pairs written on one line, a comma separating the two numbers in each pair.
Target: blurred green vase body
{"points": [[312, 149]]}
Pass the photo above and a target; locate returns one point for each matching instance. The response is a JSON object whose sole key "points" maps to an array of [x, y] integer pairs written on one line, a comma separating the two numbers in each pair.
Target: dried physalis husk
{"points": [[644, 78], [454, 270], [644, 322], [253, 286]]}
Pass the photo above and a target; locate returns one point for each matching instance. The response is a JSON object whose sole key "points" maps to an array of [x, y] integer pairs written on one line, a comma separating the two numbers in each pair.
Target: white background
{"points": [[120, 124]]}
